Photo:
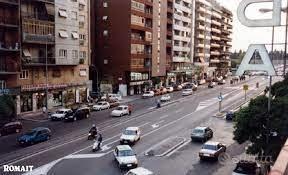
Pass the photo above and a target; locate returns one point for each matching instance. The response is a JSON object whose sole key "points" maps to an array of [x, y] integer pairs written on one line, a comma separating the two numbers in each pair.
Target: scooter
{"points": [[96, 146], [92, 136]]}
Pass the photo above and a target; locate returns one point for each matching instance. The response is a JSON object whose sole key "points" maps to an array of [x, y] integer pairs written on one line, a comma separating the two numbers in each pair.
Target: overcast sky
{"points": [[243, 36]]}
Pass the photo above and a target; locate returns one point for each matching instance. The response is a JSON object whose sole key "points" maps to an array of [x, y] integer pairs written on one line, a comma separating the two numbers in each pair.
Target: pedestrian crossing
{"points": [[206, 103]]}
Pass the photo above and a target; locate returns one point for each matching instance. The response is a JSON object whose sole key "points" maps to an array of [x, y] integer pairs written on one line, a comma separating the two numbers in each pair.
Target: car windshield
{"points": [[147, 93], [126, 153], [245, 169], [60, 112], [198, 131], [187, 90], [100, 103], [210, 147], [30, 133], [119, 108], [129, 132]]}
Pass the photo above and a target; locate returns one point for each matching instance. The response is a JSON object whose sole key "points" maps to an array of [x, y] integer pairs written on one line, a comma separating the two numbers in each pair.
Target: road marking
{"points": [[179, 110], [84, 156], [156, 125], [184, 144], [164, 116], [143, 124]]}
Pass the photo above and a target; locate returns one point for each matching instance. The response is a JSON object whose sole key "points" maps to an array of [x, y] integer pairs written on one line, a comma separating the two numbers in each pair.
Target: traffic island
{"points": [[165, 147]]}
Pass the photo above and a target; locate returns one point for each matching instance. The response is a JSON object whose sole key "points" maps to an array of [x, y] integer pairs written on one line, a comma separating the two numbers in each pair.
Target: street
{"points": [[69, 151]]}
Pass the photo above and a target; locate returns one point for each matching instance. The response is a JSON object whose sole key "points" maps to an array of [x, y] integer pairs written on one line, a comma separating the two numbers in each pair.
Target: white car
{"points": [[148, 94], [101, 106], [60, 114], [120, 111], [125, 157], [112, 97], [170, 89], [130, 136], [187, 92], [139, 171], [212, 150], [165, 98]]}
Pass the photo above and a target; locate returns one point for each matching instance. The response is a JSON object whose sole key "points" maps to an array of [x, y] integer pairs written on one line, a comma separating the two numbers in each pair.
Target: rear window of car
{"points": [[130, 132], [210, 147], [126, 153], [198, 131]]}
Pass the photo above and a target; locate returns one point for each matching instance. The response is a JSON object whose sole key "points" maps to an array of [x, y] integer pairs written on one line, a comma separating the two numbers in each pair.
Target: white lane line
{"points": [[184, 144], [140, 126], [164, 116], [179, 110], [85, 156], [156, 125]]}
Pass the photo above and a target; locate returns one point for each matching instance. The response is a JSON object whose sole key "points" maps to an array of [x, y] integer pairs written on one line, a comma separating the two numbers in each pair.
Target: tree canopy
{"points": [[7, 108]]}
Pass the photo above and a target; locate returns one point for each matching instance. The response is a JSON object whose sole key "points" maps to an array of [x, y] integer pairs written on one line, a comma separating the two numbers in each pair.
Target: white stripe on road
{"points": [[164, 116], [184, 144], [85, 156]]}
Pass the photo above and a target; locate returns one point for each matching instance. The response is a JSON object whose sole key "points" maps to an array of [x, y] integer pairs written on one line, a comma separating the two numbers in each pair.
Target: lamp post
{"points": [[46, 72]]}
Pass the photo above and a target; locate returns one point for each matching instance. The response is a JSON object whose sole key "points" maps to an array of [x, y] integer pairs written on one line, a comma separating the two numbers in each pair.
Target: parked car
{"points": [[221, 82], [61, 114], [130, 136], [112, 97], [35, 135], [113, 103], [10, 128], [120, 111], [211, 84], [163, 90], [247, 168], [80, 113], [139, 171], [187, 92], [157, 92], [211, 150], [165, 98], [125, 157], [201, 133], [170, 89], [230, 115], [179, 87], [148, 94], [101, 106], [96, 95]]}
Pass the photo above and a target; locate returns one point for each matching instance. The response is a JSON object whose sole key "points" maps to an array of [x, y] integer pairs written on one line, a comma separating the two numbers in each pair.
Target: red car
{"points": [[11, 128]]}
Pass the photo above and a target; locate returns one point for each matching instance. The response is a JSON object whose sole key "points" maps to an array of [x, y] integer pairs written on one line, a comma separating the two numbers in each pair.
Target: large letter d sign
{"points": [[276, 16]]}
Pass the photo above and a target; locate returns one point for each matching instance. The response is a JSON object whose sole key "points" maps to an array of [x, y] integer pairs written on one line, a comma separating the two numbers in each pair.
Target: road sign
{"points": [[220, 97], [245, 87]]}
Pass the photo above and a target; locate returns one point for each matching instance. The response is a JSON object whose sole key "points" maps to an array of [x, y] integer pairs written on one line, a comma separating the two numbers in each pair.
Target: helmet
{"points": [[93, 125]]}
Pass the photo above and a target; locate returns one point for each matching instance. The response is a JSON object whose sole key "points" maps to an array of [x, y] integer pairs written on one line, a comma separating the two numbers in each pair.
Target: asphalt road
{"points": [[175, 119]]}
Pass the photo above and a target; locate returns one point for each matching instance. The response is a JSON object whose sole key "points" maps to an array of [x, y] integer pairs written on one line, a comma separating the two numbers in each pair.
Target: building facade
{"points": [[51, 37], [129, 54]]}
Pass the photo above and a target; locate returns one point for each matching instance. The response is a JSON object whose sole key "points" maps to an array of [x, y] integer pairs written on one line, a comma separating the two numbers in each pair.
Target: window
{"points": [[81, 18], [74, 15], [105, 4], [24, 74], [63, 34], [63, 13], [82, 54], [105, 18], [83, 72], [82, 37], [105, 32], [75, 35], [2, 84], [74, 54], [74, 0], [63, 53]]}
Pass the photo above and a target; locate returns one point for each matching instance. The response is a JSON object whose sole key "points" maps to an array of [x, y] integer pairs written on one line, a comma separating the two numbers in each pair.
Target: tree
{"points": [[254, 124], [7, 108]]}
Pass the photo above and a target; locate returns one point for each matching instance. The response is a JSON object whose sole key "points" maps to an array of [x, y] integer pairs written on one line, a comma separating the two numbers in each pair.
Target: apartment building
{"points": [[54, 53], [183, 40], [10, 45], [212, 39], [130, 43]]}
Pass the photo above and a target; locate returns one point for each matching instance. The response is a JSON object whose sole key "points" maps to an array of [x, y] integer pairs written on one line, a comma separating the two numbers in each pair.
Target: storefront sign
{"points": [[136, 83], [35, 87], [267, 65], [14, 91]]}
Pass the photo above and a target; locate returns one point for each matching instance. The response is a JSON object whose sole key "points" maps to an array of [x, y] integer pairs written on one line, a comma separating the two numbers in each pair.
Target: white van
{"points": [[139, 171]]}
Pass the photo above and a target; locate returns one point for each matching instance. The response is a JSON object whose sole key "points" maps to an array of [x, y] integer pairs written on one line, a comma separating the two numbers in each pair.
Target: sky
{"points": [[243, 36]]}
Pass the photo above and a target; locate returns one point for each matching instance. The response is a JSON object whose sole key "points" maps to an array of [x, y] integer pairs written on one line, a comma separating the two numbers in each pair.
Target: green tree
{"points": [[7, 108], [254, 124]]}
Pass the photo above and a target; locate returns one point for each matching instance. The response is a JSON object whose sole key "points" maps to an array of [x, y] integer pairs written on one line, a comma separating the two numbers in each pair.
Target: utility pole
{"points": [[46, 72], [285, 49]]}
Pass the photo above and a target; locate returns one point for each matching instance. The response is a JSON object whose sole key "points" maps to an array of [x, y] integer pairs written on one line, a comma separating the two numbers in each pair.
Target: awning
{"points": [[75, 35], [50, 9], [82, 2], [63, 13], [26, 53], [63, 34]]}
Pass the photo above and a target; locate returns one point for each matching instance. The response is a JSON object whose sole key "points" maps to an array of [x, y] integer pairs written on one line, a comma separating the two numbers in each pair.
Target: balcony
{"points": [[200, 18], [214, 45], [200, 27], [50, 62], [10, 2], [214, 30], [215, 23], [199, 54], [40, 32], [10, 67], [215, 53], [9, 47], [200, 36], [200, 45], [6, 21], [47, 1], [143, 13], [214, 60], [216, 38]]}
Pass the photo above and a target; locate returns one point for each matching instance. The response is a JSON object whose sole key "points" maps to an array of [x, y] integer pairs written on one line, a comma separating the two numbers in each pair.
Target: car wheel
{"points": [[17, 131]]}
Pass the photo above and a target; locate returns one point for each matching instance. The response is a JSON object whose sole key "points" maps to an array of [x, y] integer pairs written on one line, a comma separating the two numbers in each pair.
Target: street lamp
{"points": [[46, 71]]}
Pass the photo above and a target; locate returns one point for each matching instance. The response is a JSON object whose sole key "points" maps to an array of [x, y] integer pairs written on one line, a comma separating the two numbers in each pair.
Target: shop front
{"points": [[139, 83]]}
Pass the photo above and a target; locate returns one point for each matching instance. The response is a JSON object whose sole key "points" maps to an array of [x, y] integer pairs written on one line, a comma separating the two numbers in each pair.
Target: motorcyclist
{"points": [[99, 141], [94, 130]]}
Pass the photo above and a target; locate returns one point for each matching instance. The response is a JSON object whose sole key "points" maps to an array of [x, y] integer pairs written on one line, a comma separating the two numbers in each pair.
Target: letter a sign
{"points": [[266, 66]]}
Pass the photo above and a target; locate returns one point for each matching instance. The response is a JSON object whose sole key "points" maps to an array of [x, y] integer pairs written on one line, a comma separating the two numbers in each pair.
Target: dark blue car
{"points": [[35, 135], [230, 115]]}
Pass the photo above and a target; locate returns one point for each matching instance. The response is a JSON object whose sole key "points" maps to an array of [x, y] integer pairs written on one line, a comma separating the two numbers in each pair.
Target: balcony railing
{"points": [[38, 31], [50, 61], [9, 67], [12, 46], [5, 20], [14, 2]]}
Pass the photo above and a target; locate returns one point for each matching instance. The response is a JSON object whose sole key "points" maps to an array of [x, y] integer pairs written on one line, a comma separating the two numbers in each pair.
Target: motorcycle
{"points": [[96, 146], [92, 136]]}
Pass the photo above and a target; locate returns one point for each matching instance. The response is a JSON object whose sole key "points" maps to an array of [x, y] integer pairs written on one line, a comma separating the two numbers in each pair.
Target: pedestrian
{"points": [[130, 109], [44, 109]]}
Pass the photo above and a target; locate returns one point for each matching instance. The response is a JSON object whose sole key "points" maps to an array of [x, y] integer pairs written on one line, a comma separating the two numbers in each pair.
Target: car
{"points": [[221, 82], [101, 106], [125, 157], [169, 89], [148, 94], [111, 97], [61, 114], [80, 113], [211, 84], [230, 115], [139, 171], [187, 92], [179, 87], [165, 98], [35, 135], [10, 128], [201, 133], [157, 92], [211, 150], [113, 103], [120, 111], [247, 168], [163, 90], [130, 136]]}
